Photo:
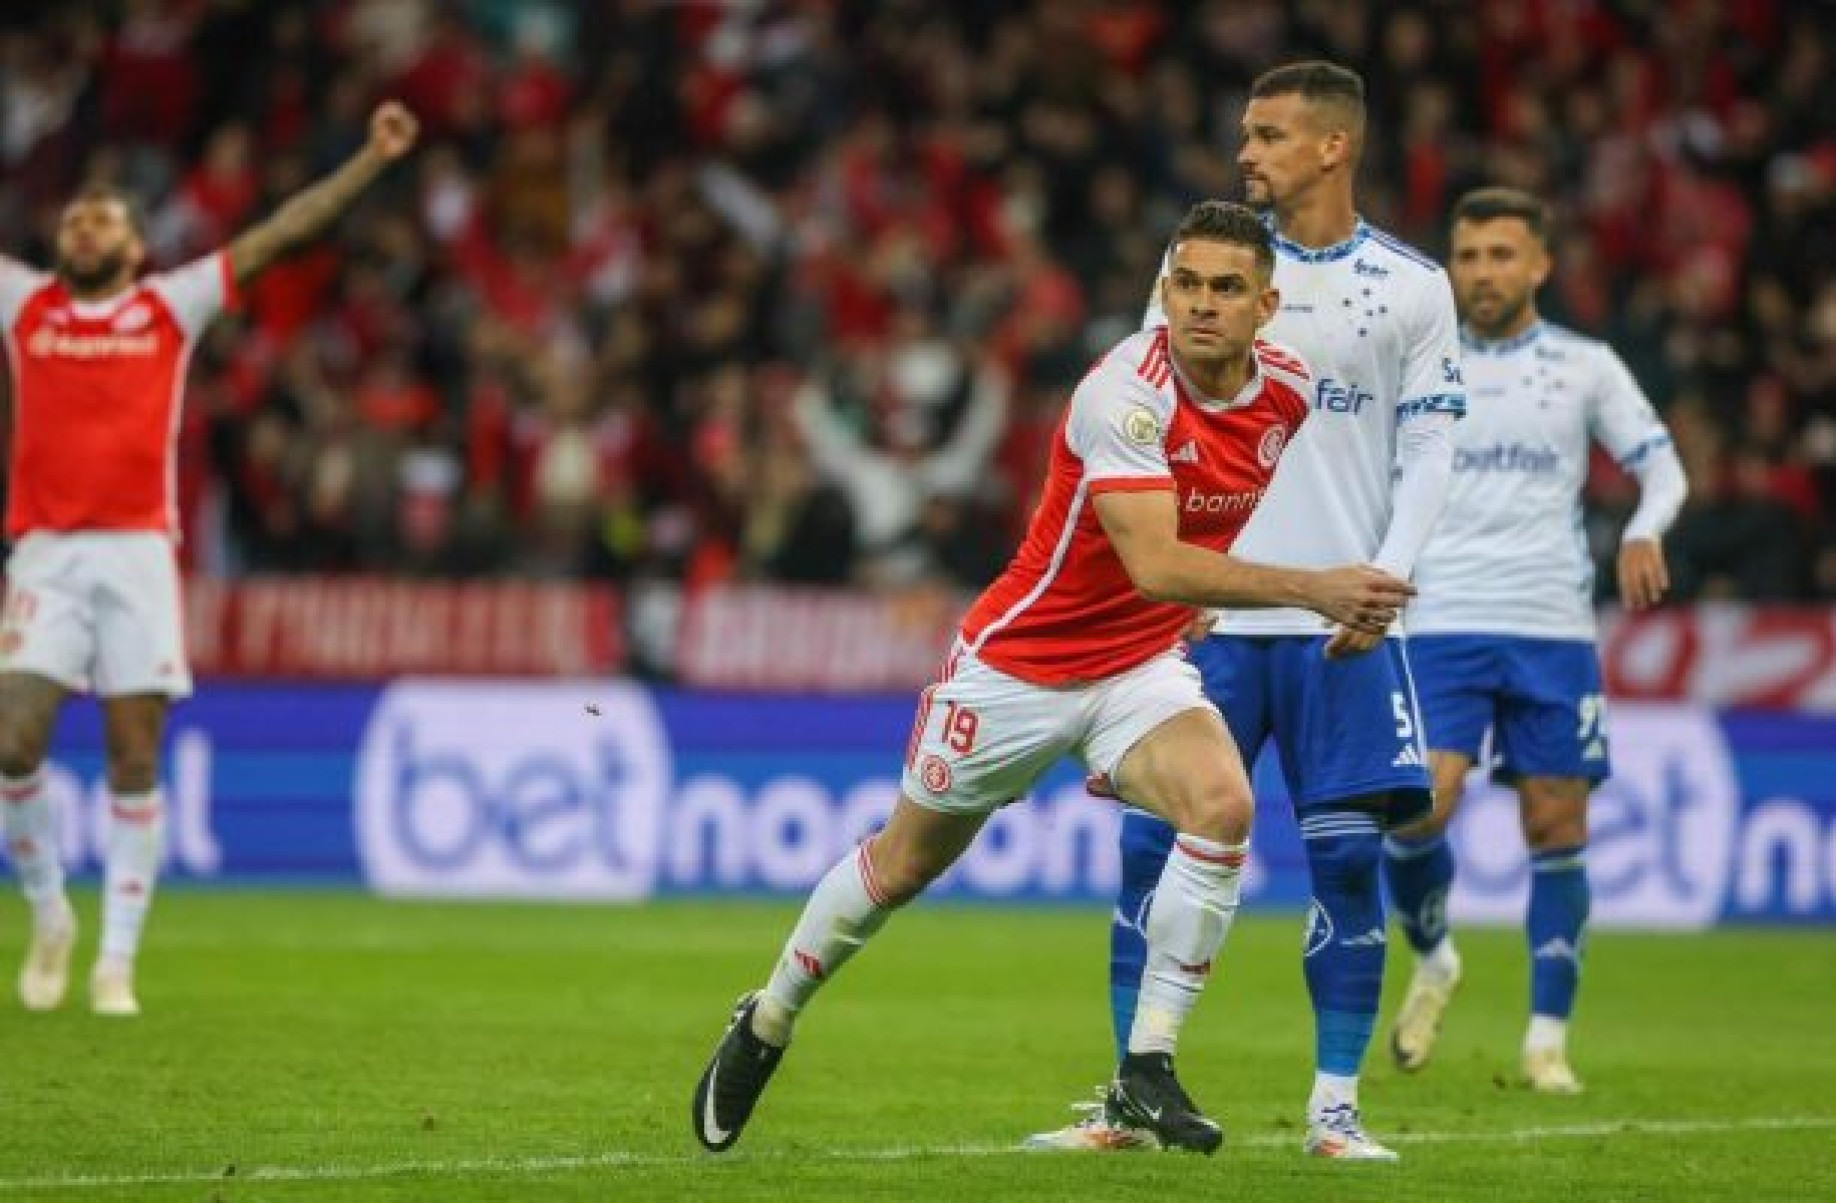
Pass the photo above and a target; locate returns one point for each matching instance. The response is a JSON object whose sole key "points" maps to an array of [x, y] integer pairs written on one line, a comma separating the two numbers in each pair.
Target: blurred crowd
{"points": [[795, 290]]}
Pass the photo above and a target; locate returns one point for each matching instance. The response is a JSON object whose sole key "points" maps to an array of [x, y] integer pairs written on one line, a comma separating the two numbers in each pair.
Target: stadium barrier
{"points": [[616, 791], [764, 638], [345, 628], [761, 637]]}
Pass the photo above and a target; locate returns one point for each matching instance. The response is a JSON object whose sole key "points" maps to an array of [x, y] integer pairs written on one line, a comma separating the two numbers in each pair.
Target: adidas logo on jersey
{"points": [[1187, 454], [1409, 758], [1556, 949]]}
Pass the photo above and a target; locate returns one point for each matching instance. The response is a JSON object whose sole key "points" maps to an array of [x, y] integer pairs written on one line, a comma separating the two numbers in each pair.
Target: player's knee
{"points": [[19, 758], [1554, 813], [133, 777], [24, 739], [133, 756], [1215, 809], [1548, 830], [133, 768]]}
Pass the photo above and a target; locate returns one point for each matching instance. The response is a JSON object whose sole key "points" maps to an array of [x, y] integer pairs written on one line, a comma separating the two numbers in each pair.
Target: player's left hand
{"points": [[1344, 642], [393, 129], [1643, 579], [1200, 626]]}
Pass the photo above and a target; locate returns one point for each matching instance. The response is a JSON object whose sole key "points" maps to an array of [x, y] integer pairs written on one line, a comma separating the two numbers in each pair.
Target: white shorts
{"points": [[96, 610], [982, 738]]}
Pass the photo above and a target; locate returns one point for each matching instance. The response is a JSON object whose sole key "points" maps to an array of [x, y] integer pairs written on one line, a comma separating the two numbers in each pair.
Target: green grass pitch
{"points": [[328, 1046]]}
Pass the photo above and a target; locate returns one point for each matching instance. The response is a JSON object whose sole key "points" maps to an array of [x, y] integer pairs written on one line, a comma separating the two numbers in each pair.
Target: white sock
{"points": [[32, 842], [1443, 960], [1194, 903], [1331, 1090], [842, 914], [1546, 1033], [136, 841]]}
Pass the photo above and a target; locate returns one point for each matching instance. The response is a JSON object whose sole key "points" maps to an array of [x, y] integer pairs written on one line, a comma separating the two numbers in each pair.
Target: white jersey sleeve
{"points": [[1117, 426], [1619, 415], [196, 292], [1621, 419], [1432, 381], [17, 282], [1433, 396], [1424, 470]]}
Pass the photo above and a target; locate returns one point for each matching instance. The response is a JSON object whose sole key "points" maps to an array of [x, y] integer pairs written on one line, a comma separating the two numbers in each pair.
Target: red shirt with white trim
{"points": [[96, 394], [1065, 610]]}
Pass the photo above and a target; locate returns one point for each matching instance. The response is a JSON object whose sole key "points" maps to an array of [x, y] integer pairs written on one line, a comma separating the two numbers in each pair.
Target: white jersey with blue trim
{"points": [[1509, 556], [1375, 320]]}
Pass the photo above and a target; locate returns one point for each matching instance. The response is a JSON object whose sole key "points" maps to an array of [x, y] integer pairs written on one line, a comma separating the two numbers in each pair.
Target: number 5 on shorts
{"points": [[1405, 722]]}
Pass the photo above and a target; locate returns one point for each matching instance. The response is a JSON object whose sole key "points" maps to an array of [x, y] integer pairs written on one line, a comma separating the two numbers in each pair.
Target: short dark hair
{"points": [[1227, 221], [1491, 204], [1319, 82], [101, 191]]}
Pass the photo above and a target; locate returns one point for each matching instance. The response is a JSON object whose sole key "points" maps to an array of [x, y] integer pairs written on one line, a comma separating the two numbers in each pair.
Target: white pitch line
{"points": [[618, 1159]]}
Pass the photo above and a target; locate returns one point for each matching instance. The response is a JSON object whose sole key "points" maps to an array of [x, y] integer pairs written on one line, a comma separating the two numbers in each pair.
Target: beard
{"points": [[105, 269], [1508, 313]]}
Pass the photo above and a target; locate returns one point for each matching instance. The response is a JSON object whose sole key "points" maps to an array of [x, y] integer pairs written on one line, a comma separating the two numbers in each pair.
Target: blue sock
{"points": [[1345, 935], [1420, 874], [1559, 901], [1146, 841]]}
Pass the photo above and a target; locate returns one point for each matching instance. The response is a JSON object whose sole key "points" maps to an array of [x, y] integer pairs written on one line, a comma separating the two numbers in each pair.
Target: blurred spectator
{"points": [[918, 442], [566, 341]]}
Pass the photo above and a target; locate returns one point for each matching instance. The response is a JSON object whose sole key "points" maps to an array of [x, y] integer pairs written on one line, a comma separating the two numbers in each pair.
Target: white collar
{"points": [[1218, 405], [92, 310]]}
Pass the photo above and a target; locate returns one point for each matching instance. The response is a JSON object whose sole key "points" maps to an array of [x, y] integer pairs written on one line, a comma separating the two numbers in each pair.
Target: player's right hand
{"points": [[1643, 580], [1359, 597], [1344, 642]]}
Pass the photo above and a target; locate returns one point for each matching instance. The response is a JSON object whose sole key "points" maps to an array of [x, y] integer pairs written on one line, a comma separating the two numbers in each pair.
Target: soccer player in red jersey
{"points": [[98, 358], [1162, 455]]}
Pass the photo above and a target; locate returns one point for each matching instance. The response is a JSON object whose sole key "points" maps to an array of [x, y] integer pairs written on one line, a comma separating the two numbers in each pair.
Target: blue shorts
{"points": [[1344, 729], [1541, 699]]}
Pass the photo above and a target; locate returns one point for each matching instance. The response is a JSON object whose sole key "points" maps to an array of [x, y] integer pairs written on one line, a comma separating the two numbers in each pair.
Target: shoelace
{"points": [[1343, 1119]]}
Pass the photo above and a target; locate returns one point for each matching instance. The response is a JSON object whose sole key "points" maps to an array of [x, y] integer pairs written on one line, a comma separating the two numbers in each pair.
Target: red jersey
{"points": [[1065, 611], [96, 389]]}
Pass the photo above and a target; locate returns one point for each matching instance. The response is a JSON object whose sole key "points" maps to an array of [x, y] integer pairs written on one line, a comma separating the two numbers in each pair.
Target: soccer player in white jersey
{"points": [[98, 361], [1364, 481], [1502, 634], [1166, 448]]}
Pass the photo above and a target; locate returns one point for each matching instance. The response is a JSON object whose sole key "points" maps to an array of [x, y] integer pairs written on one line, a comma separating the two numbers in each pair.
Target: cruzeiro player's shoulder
{"points": [[1383, 252], [1559, 342], [1584, 357]]}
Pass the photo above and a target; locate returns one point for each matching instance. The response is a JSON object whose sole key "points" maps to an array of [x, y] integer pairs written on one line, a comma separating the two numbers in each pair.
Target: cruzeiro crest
{"points": [[1319, 928]]}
